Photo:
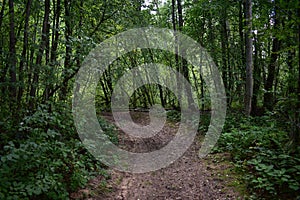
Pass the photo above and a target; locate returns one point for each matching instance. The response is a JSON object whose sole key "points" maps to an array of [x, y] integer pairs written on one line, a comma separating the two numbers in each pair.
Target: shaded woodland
{"points": [[254, 44]]}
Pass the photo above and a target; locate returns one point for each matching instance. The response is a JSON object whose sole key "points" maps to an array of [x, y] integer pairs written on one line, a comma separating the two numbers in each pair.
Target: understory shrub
{"points": [[258, 148], [47, 161], [173, 115]]}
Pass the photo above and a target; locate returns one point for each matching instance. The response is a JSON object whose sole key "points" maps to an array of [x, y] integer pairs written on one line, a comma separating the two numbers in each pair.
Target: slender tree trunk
{"points": [[182, 63], [107, 101], [177, 62], [160, 88], [1, 44], [180, 15], [54, 46], [297, 114], [68, 49], [201, 78], [31, 58], [268, 96], [24, 51], [196, 83], [42, 46], [257, 78], [225, 49], [249, 61], [241, 33], [3, 66], [12, 52], [242, 59]]}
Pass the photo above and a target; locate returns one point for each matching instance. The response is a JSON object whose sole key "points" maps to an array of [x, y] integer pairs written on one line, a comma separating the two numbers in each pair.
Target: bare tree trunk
{"points": [[68, 50], [12, 52], [257, 78], [249, 60], [42, 46], [2, 62], [182, 63], [297, 115], [177, 64], [1, 21], [54, 46], [242, 60], [225, 51], [24, 51], [31, 57], [241, 34], [268, 96]]}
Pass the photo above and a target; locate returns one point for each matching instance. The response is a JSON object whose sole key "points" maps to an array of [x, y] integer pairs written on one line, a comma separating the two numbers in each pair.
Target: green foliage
{"points": [[173, 115], [41, 156], [47, 161], [109, 130], [258, 148], [275, 172], [204, 122]]}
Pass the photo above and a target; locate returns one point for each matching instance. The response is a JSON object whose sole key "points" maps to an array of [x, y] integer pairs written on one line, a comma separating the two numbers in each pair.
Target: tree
{"points": [[12, 52], [249, 60], [24, 50], [42, 46], [268, 96]]}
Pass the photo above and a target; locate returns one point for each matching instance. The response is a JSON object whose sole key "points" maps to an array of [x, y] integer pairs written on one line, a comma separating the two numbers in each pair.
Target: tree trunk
{"points": [[68, 49], [12, 52], [54, 46], [42, 46], [177, 64], [183, 65], [257, 78], [225, 49], [31, 58], [268, 96], [1, 21], [297, 114], [241, 34], [249, 61], [24, 51]]}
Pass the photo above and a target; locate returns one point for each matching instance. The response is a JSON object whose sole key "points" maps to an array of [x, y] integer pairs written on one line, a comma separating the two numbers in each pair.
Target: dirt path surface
{"points": [[187, 178]]}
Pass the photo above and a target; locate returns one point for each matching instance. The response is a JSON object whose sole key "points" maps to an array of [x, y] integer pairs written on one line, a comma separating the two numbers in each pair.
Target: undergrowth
{"points": [[258, 146], [45, 159]]}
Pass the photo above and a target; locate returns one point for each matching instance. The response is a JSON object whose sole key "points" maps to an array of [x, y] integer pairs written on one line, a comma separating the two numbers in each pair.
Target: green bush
{"points": [[275, 172], [258, 146], [173, 115], [47, 161]]}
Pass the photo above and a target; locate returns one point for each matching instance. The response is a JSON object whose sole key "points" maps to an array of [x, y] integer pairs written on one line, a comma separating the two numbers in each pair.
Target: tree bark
{"points": [[68, 49], [24, 51], [256, 79], [54, 46], [249, 60], [268, 96], [2, 62], [225, 49], [12, 52], [297, 115], [177, 64], [42, 46]]}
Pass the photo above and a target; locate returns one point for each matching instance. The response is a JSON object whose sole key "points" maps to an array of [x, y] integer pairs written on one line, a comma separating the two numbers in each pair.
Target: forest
{"points": [[255, 47]]}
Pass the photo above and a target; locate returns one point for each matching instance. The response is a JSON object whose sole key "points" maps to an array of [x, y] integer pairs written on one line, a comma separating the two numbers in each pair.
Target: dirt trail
{"points": [[187, 178]]}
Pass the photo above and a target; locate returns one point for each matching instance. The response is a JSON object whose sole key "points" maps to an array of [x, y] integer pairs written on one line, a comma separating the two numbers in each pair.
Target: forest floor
{"points": [[189, 177]]}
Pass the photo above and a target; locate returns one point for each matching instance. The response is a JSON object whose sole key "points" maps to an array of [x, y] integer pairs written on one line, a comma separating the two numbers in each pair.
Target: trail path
{"points": [[187, 178]]}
